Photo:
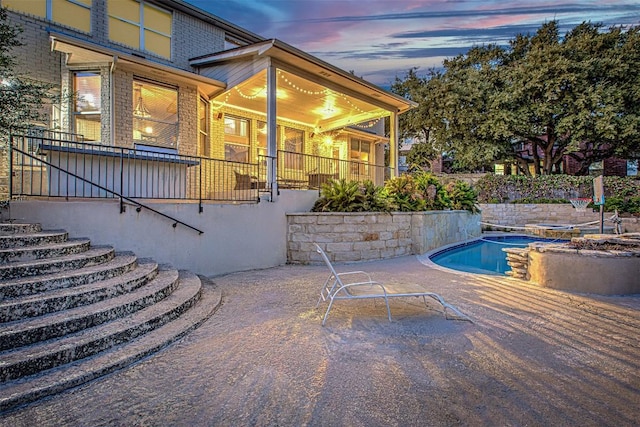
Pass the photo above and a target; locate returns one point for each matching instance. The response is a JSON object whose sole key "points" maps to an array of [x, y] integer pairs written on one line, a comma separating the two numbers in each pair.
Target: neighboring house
{"points": [[165, 77], [437, 165]]}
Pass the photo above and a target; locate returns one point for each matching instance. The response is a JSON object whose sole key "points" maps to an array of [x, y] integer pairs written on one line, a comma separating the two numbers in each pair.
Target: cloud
{"points": [[379, 38]]}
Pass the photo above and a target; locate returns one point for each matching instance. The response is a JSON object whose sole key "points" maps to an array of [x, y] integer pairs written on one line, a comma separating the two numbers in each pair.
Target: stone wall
{"points": [[509, 214], [369, 236]]}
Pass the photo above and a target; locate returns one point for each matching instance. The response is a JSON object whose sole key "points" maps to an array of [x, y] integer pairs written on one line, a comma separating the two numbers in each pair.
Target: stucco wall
{"points": [[591, 271], [509, 214], [236, 237], [370, 236]]}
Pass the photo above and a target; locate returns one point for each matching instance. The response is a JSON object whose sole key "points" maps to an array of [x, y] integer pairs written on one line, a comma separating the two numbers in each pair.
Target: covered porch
{"points": [[300, 119]]}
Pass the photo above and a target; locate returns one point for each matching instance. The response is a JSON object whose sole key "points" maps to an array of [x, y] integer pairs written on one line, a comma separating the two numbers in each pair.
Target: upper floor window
{"points": [[71, 13], [236, 139], [155, 114], [87, 107], [140, 25]]}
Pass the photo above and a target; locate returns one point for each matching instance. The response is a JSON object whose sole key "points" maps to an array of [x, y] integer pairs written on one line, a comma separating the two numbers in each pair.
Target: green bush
{"points": [[407, 193], [351, 196], [621, 193], [462, 196]]}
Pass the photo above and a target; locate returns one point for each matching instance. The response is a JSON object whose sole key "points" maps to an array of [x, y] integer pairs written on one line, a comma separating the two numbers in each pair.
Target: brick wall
{"points": [[370, 236]]}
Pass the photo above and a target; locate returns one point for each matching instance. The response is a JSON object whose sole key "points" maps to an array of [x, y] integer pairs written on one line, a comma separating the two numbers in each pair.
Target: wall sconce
{"points": [[219, 116]]}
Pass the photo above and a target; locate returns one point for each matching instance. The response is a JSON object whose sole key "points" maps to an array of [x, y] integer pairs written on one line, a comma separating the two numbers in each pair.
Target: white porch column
{"points": [[272, 129], [393, 143]]}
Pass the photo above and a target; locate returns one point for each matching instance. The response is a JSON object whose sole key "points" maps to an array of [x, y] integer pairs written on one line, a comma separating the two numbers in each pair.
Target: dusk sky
{"points": [[379, 39]]}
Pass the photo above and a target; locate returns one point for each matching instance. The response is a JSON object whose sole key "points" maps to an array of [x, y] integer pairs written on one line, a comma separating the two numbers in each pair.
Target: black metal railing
{"points": [[56, 164], [46, 165], [296, 170], [139, 206]]}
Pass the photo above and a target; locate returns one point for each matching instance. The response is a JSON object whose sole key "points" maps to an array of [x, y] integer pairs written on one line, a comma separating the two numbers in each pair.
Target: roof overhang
{"points": [[84, 53], [311, 68]]}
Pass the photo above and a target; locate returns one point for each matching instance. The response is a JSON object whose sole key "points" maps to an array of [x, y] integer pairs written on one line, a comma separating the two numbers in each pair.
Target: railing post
{"points": [[122, 207], [200, 207], [10, 153]]}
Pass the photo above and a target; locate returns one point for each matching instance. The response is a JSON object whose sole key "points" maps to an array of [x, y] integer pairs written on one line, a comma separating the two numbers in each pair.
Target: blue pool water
{"points": [[482, 256]]}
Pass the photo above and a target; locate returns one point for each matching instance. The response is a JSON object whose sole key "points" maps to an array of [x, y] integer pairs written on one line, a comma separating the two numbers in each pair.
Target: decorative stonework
{"points": [[348, 237], [509, 214], [601, 264]]}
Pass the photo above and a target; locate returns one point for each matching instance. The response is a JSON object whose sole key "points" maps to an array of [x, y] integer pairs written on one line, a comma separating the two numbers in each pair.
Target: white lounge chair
{"points": [[359, 285]]}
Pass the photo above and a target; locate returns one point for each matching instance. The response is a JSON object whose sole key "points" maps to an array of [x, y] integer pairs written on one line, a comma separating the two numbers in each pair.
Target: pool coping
{"points": [[425, 258]]}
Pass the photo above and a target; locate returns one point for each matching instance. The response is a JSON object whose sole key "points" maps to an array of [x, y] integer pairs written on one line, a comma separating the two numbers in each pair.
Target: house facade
{"points": [[164, 77]]}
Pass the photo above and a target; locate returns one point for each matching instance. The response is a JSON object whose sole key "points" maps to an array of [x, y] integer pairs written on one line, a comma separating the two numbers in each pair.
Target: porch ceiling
{"points": [[301, 101]]}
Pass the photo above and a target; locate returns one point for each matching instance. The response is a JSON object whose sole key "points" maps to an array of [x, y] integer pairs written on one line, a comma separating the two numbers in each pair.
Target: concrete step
{"points": [[45, 251], [121, 263], [14, 228], [28, 331], [16, 270], [66, 298], [49, 354], [17, 240], [14, 394]]}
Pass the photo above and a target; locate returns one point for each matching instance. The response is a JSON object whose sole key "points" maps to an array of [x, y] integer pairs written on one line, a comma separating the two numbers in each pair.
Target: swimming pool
{"points": [[483, 256]]}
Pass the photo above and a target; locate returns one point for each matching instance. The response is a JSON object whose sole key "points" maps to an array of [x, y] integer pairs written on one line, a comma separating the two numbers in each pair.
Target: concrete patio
{"points": [[533, 356]]}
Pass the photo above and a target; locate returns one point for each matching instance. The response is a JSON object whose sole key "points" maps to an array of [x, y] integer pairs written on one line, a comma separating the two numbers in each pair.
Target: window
{"points": [[236, 139], [155, 114], [203, 128], [86, 112], [140, 25], [72, 13], [359, 154], [294, 145]]}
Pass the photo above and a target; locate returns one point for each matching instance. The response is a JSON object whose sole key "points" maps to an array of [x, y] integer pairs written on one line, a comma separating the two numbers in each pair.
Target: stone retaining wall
{"points": [[510, 214], [370, 236]]}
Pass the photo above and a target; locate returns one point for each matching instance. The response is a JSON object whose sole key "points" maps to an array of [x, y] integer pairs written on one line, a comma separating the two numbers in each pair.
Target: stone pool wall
{"points": [[510, 214], [367, 236]]}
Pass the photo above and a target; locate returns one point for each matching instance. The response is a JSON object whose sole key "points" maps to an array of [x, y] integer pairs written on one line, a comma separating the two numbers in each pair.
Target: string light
{"points": [[370, 124], [292, 85], [256, 95], [301, 90]]}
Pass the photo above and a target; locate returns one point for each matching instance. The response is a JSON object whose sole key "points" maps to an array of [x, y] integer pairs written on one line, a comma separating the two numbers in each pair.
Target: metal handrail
{"points": [[120, 196]]}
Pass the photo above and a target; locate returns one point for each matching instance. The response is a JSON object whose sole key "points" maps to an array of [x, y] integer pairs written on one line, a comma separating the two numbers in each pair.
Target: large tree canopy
{"points": [[532, 103], [21, 98]]}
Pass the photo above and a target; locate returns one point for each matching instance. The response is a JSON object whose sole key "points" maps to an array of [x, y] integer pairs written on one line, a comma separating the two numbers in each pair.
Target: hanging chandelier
{"points": [[140, 109]]}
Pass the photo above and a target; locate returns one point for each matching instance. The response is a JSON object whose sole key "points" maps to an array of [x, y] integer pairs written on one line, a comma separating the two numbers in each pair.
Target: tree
{"points": [[21, 98], [542, 98], [419, 124]]}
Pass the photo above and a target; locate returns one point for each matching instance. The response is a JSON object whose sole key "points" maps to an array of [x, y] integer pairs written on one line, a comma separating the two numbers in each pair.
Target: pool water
{"points": [[483, 256]]}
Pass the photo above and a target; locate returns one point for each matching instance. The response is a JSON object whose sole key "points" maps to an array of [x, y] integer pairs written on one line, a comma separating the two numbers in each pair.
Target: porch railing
{"points": [[137, 173], [296, 170], [54, 164]]}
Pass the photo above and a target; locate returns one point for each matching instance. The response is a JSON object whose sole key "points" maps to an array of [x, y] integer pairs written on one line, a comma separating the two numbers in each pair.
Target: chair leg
{"points": [[386, 300], [327, 313]]}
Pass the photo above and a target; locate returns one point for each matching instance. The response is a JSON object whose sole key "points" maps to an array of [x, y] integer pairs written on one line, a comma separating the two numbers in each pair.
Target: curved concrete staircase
{"points": [[71, 312]]}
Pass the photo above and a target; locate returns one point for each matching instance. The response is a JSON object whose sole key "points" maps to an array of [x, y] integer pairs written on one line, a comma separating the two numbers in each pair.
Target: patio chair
{"points": [[359, 285]]}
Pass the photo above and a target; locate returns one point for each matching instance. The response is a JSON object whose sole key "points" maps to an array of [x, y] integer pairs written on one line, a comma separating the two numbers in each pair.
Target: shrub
{"points": [[620, 192], [462, 196], [407, 193], [351, 196]]}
